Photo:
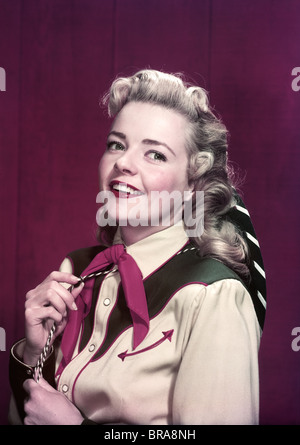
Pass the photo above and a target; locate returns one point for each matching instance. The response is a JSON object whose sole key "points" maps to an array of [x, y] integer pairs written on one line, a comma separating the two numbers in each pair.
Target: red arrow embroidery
{"points": [[167, 335]]}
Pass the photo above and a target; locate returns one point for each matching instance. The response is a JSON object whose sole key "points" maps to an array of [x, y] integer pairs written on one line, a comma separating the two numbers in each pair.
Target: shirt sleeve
{"points": [[20, 371], [66, 266], [217, 382]]}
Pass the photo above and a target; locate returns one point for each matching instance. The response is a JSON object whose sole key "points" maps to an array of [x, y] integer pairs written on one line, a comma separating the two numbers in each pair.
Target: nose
{"points": [[126, 164]]}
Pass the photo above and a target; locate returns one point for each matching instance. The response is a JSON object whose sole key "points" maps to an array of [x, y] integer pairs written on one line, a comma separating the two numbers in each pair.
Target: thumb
{"points": [[44, 384]]}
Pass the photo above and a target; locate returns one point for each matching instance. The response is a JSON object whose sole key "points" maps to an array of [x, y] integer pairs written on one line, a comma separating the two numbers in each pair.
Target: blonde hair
{"points": [[206, 144]]}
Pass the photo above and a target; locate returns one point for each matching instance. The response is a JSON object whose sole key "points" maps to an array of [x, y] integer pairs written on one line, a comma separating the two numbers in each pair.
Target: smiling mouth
{"points": [[121, 190]]}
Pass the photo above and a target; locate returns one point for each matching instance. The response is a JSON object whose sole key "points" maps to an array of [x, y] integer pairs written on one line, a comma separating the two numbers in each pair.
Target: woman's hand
{"points": [[47, 406], [45, 304]]}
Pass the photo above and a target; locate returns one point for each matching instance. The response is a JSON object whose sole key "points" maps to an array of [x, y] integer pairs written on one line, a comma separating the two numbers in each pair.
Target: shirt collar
{"points": [[153, 251]]}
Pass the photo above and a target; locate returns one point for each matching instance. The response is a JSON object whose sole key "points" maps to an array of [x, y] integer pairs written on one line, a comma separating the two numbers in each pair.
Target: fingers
{"points": [[36, 316], [49, 300], [57, 280], [59, 297], [31, 386], [47, 406], [76, 291], [62, 277], [34, 402], [28, 384], [52, 293]]}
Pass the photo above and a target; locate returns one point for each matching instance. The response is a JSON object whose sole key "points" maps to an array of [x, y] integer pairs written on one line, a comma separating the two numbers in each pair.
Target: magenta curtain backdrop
{"points": [[59, 56]]}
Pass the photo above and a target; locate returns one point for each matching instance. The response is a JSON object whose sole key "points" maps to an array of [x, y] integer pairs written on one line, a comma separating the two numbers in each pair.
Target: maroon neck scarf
{"points": [[135, 297]]}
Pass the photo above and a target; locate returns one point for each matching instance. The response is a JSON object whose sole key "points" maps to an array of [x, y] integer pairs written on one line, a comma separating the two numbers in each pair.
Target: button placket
{"points": [[92, 347], [80, 361], [65, 388]]}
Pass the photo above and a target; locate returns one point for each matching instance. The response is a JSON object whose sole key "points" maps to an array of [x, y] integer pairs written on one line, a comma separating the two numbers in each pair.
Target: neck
{"points": [[131, 235]]}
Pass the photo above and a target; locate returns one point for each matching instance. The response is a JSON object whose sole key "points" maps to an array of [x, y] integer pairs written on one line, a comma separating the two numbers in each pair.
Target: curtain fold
{"points": [[60, 57]]}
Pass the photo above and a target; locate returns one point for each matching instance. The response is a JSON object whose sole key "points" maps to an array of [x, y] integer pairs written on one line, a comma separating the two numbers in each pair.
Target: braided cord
{"points": [[38, 369], [39, 366]]}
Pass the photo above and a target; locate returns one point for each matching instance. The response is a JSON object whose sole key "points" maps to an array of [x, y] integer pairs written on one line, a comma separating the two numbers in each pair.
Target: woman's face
{"points": [[145, 153]]}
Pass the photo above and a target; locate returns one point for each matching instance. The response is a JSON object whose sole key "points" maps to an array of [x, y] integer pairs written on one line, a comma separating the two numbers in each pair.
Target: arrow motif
{"points": [[167, 335]]}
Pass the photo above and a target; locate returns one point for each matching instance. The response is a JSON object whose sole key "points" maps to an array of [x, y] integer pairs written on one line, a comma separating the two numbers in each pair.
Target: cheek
{"points": [[169, 181]]}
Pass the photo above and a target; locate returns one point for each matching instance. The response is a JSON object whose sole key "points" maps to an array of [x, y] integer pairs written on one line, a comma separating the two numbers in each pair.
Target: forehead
{"points": [[147, 120]]}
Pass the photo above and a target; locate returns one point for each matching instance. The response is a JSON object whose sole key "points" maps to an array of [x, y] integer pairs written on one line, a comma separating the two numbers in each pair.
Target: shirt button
{"points": [[106, 302], [92, 347], [65, 388]]}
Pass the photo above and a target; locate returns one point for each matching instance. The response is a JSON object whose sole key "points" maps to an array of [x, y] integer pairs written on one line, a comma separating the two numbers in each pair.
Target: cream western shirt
{"points": [[206, 373]]}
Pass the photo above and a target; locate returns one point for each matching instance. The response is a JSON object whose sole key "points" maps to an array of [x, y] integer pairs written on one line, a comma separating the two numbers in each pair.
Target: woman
{"points": [[183, 350]]}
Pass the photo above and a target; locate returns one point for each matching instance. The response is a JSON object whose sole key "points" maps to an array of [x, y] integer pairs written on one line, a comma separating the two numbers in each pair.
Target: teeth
{"points": [[126, 189]]}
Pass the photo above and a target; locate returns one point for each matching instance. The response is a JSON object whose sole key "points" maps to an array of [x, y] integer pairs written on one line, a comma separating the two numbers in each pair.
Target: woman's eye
{"points": [[157, 156], [114, 145]]}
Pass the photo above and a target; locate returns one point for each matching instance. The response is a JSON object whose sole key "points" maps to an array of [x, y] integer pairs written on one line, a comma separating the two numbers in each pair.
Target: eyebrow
{"points": [[145, 141], [117, 133], [153, 142]]}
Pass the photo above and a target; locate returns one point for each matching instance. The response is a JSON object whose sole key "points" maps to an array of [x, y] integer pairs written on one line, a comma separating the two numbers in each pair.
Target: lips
{"points": [[124, 190]]}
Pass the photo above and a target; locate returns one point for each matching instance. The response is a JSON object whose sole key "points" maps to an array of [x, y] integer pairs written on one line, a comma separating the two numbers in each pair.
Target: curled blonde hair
{"points": [[206, 144]]}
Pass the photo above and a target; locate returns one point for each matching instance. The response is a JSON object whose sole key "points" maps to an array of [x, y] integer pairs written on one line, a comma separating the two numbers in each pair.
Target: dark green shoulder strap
{"points": [[182, 269]]}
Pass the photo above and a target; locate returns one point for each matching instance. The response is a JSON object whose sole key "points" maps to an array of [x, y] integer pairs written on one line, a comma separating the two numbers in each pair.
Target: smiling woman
{"points": [[136, 163], [158, 326], [180, 114]]}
